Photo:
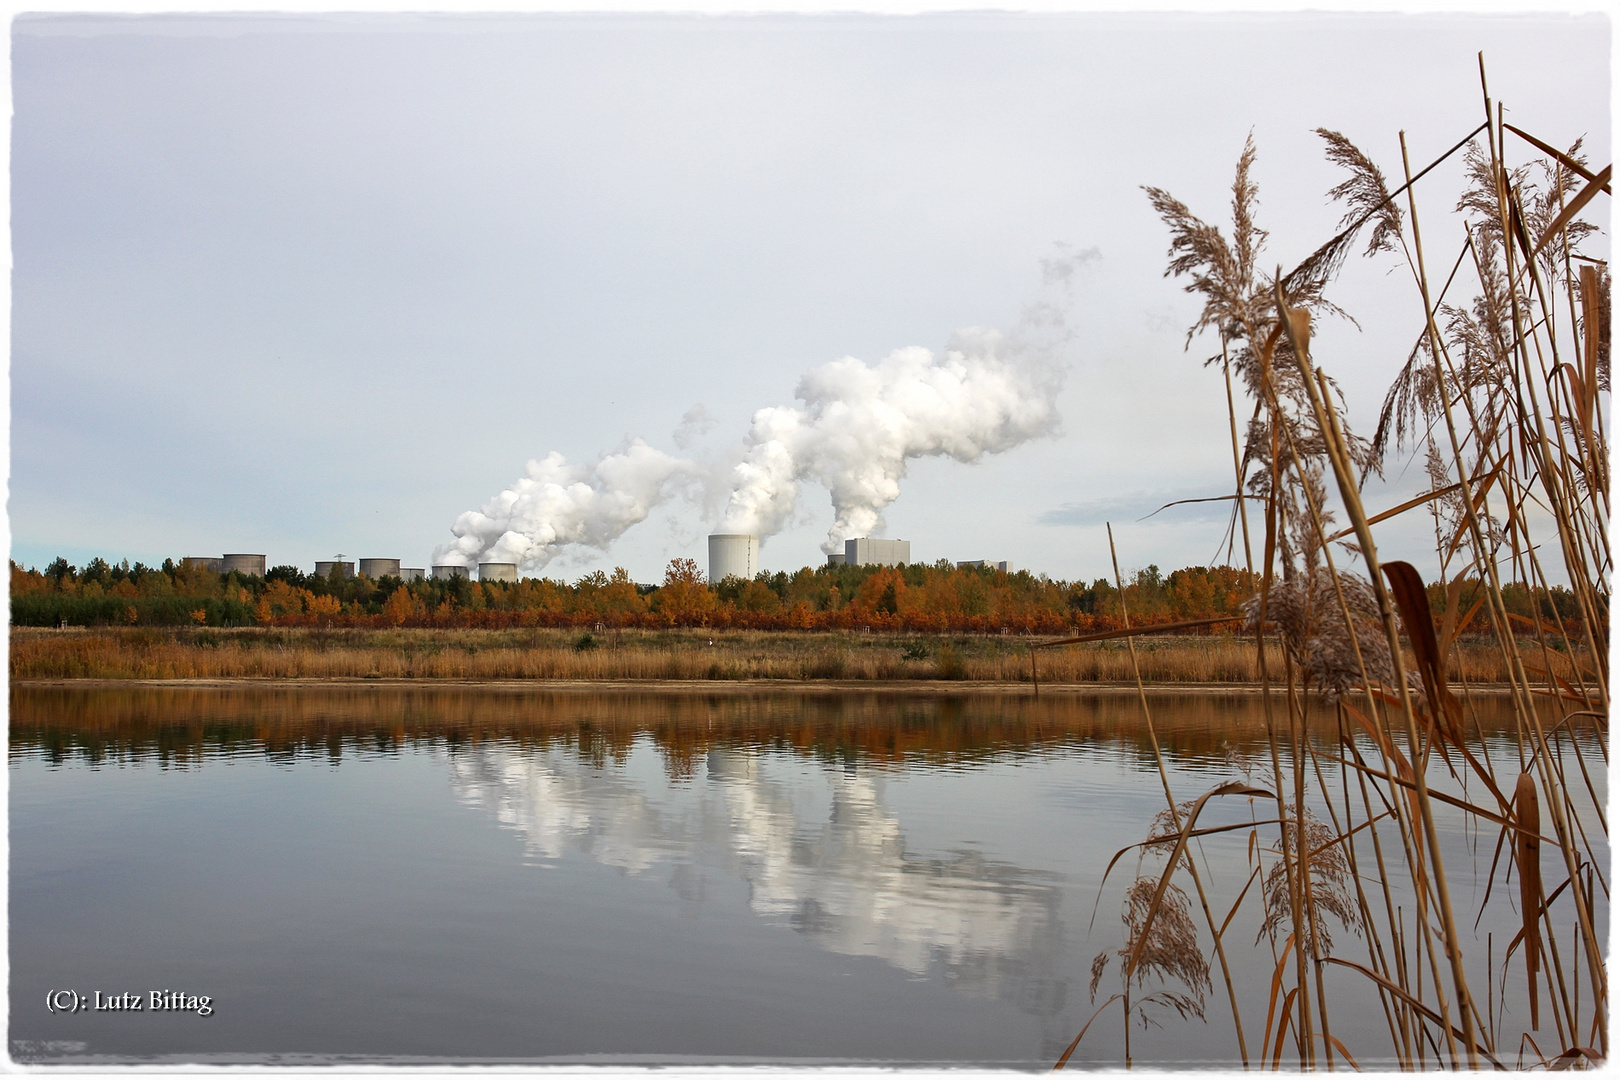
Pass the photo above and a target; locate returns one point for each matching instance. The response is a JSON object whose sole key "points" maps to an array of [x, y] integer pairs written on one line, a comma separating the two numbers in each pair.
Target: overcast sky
{"points": [[303, 285]]}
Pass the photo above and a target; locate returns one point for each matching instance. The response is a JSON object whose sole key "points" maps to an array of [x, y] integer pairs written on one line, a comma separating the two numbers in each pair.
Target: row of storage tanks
{"points": [[254, 566]]}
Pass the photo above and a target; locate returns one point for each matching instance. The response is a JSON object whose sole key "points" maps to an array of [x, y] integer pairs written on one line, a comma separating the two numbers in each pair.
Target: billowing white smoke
{"points": [[861, 423], [558, 504]]}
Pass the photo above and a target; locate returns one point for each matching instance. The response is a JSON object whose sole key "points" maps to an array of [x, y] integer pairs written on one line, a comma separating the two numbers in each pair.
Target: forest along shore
{"points": [[651, 656]]}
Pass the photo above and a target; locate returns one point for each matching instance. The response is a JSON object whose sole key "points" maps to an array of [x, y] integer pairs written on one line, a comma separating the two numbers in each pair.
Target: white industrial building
{"points": [[733, 555], [870, 551]]}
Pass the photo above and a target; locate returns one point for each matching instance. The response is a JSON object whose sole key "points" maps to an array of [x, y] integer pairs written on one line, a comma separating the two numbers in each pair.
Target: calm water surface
{"points": [[459, 875]]}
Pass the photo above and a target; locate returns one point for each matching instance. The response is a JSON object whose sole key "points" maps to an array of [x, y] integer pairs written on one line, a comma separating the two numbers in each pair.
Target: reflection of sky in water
{"points": [[817, 846]]}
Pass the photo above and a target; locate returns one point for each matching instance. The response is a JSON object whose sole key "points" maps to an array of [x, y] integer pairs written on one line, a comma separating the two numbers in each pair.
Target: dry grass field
{"points": [[632, 655]]}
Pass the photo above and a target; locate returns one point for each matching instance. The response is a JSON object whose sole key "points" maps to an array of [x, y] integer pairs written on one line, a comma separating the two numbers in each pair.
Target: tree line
{"points": [[939, 598]]}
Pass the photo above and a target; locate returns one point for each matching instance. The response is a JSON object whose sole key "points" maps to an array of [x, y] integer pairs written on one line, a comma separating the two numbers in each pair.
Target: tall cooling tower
{"points": [[733, 555], [497, 571], [379, 568]]}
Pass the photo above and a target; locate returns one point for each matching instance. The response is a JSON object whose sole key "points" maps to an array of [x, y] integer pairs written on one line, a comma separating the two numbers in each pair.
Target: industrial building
{"points": [[497, 571], [733, 555], [870, 551], [1003, 565], [412, 573], [379, 568]]}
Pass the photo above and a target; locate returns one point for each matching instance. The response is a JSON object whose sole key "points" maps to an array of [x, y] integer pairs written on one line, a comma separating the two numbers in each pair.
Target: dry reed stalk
{"points": [[1175, 818], [1350, 494]]}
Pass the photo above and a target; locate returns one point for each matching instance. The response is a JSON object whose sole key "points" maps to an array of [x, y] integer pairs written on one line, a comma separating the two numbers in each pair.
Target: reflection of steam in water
{"points": [[842, 877], [555, 804], [850, 884]]}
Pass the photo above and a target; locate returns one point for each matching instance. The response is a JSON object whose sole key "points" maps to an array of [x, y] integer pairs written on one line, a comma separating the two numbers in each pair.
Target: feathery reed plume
{"points": [[1317, 848], [1311, 625], [1167, 945]]}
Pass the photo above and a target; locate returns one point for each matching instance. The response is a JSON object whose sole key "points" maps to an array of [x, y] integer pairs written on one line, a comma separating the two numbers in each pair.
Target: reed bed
{"points": [[543, 655], [1503, 400]]}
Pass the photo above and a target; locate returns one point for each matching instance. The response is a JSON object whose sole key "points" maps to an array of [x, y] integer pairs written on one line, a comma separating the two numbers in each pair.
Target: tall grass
{"points": [[1503, 399]]}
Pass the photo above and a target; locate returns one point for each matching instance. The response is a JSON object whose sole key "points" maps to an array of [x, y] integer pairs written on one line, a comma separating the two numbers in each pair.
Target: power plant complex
{"points": [[731, 555], [737, 554]]}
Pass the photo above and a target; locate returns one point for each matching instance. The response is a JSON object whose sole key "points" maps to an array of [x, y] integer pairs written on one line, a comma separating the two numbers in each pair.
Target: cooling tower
{"points": [[345, 569], [497, 571], [203, 562], [248, 565], [869, 551], [412, 573], [379, 568], [445, 573], [733, 555]]}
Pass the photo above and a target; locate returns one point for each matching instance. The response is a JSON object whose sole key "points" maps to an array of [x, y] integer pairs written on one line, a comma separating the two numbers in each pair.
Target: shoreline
{"points": [[932, 687]]}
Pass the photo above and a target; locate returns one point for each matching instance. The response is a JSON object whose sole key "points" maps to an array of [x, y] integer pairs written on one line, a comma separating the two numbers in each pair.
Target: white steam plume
{"points": [[858, 426], [558, 504], [861, 423]]}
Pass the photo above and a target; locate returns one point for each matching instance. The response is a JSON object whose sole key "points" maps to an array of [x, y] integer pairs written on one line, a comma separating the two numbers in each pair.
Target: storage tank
{"points": [[870, 551], [497, 571], [733, 555], [345, 569], [379, 568], [412, 573], [445, 573], [203, 562], [249, 565]]}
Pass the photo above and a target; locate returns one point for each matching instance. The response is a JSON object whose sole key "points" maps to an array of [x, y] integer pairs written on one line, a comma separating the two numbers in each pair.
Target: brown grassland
{"points": [[636, 655]]}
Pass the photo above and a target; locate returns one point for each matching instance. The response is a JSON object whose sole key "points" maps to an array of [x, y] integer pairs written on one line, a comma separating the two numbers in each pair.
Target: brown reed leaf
{"points": [[1527, 857]]}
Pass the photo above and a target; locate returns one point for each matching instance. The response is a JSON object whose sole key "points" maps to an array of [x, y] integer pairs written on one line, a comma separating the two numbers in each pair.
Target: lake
{"points": [[440, 875]]}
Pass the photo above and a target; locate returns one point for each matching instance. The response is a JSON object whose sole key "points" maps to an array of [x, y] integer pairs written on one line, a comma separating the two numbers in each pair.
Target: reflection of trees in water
{"points": [[819, 850], [179, 725]]}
